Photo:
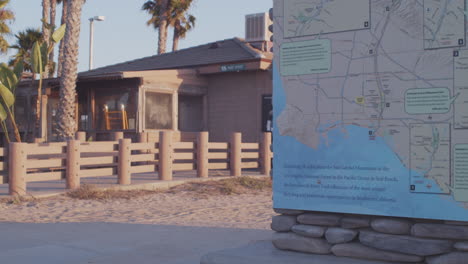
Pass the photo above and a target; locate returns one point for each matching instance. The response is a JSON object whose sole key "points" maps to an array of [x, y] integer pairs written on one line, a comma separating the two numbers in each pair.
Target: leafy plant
{"points": [[8, 83], [40, 59], [9, 79]]}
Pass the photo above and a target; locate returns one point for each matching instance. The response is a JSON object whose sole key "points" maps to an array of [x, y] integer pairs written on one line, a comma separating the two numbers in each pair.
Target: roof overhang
{"points": [[232, 66], [102, 77]]}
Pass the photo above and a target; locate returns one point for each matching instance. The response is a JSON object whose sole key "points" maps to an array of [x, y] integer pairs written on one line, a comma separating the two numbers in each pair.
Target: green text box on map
{"points": [[460, 188], [305, 57], [428, 101]]}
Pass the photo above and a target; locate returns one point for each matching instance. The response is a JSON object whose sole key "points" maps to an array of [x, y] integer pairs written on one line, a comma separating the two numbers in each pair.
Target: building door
{"points": [[190, 113], [267, 113]]}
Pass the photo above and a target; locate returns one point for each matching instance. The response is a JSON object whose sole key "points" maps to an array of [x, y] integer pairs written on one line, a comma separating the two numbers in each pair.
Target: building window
{"points": [[21, 113], [158, 110], [115, 109], [83, 116]]}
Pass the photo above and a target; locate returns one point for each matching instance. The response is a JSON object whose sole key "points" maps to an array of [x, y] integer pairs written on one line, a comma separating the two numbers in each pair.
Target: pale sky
{"points": [[124, 35]]}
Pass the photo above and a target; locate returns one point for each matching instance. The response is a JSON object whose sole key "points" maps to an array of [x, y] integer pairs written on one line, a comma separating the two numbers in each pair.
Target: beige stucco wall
{"points": [[235, 104]]}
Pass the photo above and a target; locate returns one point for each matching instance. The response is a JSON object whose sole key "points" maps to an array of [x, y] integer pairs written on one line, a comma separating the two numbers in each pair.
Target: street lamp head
{"points": [[97, 18]]}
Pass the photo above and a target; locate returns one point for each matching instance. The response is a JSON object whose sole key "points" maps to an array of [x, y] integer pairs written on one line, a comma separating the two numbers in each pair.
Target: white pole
{"points": [[91, 40]]}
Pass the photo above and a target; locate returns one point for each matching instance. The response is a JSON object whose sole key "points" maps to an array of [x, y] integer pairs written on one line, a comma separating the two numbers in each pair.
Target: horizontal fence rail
{"points": [[76, 159]]}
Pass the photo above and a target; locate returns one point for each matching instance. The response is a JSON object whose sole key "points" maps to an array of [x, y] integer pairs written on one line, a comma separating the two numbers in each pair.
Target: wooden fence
{"points": [[3, 166], [75, 159]]}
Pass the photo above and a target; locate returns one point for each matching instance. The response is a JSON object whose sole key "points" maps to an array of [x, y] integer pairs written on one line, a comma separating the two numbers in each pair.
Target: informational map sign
{"points": [[371, 107]]}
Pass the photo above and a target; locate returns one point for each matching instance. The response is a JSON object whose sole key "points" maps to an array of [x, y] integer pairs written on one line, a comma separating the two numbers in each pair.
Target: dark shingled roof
{"points": [[225, 51]]}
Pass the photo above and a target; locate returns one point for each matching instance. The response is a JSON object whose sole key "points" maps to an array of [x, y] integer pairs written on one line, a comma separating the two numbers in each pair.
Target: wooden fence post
{"points": [[43, 120], [143, 137], [124, 165], [235, 157], [165, 155], [202, 155], [73, 164], [117, 135], [81, 136], [266, 153], [17, 168]]}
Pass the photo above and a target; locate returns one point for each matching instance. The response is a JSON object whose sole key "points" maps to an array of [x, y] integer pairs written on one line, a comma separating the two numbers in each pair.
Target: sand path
{"points": [[251, 211]]}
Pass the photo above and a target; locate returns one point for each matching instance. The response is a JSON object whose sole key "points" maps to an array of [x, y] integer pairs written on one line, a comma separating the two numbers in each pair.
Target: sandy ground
{"points": [[252, 211]]}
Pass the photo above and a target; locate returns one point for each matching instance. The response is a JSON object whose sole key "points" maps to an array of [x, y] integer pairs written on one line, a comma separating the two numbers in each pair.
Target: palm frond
{"points": [[5, 16], [3, 45], [3, 3]]}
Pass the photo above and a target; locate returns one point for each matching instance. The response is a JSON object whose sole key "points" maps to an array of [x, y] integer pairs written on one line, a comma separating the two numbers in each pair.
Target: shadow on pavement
{"points": [[73, 243]]}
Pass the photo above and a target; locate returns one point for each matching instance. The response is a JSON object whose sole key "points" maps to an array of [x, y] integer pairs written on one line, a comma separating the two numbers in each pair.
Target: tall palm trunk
{"points": [[66, 114], [53, 14], [163, 25], [45, 30], [175, 39], [62, 42]]}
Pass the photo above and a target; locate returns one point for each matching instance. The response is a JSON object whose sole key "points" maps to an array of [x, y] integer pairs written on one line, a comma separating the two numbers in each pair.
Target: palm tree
{"points": [[66, 113], [180, 20], [62, 43], [5, 16], [165, 13], [46, 28], [24, 43], [159, 11], [53, 14]]}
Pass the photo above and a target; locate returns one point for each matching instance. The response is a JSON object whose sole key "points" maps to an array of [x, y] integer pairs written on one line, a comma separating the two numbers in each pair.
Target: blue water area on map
{"points": [[351, 174]]}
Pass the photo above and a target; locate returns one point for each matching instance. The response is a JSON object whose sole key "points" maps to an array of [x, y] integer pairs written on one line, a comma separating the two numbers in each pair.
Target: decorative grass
{"points": [[91, 192], [232, 186]]}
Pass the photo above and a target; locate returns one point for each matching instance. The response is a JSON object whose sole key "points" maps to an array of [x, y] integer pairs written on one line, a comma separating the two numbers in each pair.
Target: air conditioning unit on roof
{"points": [[256, 27]]}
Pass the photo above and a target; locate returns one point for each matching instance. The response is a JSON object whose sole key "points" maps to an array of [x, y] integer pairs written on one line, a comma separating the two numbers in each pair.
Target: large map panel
{"points": [[375, 129]]}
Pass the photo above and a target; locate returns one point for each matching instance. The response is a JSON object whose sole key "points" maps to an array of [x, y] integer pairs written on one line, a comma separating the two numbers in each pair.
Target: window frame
{"points": [[142, 109]]}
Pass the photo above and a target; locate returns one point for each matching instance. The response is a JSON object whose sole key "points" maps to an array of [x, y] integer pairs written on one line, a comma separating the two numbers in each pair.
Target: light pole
{"points": [[91, 37]]}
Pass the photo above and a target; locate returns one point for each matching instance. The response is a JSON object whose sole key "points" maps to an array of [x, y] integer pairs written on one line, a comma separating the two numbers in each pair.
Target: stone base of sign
{"points": [[375, 238]]}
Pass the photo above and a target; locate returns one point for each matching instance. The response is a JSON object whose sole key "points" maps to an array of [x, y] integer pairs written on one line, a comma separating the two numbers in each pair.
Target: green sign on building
{"points": [[233, 68]]}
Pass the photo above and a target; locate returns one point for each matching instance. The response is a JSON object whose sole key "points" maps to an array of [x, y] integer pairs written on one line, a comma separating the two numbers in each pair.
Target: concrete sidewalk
{"points": [[110, 243], [263, 252]]}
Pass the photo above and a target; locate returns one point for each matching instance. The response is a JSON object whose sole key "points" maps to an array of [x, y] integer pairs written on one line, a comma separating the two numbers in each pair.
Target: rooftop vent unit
{"points": [[215, 45], [256, 27]]}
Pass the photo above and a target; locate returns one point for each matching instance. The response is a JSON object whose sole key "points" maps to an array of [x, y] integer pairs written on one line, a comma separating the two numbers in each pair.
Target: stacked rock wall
{"points": [[389, 239]]}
